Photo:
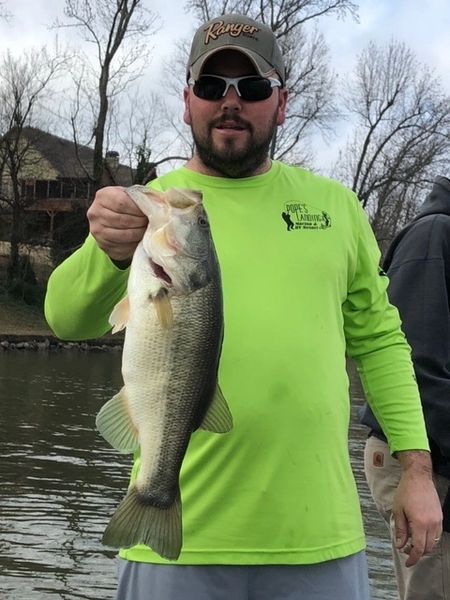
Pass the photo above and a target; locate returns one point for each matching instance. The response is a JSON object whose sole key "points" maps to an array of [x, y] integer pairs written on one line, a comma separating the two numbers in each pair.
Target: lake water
{"points": [[60, 481]]}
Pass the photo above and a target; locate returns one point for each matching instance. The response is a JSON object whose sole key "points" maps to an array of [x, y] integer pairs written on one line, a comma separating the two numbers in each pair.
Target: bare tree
{"points": [[288, 14], [309, 79], [138, 129], [25, 86], [401, 135], [4, 13], [118, 31]]}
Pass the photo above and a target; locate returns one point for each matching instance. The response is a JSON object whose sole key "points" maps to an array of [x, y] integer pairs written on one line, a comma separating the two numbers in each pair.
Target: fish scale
{"points": [[184, 391]]}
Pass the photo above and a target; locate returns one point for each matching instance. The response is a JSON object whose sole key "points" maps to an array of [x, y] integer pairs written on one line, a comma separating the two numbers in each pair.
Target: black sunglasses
{"points": [[251, 88]]}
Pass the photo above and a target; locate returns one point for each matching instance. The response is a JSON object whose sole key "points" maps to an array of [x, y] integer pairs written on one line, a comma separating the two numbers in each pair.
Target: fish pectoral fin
{"points": [[120, 314], [138, 522], [163, 309], [218, 416], [115, 425]]}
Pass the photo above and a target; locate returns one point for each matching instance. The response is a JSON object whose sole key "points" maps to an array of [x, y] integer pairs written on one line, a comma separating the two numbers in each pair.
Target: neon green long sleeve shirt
{"points": [[302, 289]]}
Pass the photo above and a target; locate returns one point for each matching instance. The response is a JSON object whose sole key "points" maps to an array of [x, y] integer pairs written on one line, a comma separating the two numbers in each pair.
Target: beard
{"points": [[228, 161]]}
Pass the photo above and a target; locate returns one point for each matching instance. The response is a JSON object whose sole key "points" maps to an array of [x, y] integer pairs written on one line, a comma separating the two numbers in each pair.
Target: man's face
{"points": [[232, 136]]}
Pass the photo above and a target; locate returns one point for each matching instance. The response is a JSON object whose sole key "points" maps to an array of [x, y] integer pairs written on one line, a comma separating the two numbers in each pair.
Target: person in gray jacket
{"points": [[418, 266]]}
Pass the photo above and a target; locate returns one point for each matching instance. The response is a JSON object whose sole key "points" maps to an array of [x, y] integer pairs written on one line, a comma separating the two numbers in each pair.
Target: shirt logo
{"points": [[299, 215]]}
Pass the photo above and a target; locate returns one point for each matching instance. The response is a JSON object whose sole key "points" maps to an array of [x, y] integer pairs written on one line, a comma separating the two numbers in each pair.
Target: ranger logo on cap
{"points": [[219, 28]]}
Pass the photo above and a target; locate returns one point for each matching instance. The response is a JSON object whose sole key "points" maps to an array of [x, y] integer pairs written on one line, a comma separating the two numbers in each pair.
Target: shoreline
{"points": [[23, 327], [40, 342]]}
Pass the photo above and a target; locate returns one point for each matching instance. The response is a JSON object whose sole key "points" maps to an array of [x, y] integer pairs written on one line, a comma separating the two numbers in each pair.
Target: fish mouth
{"points": [[160, 273]]}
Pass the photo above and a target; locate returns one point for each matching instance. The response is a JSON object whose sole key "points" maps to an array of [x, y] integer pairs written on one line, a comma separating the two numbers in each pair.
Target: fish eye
{"points": [[202, 221]]}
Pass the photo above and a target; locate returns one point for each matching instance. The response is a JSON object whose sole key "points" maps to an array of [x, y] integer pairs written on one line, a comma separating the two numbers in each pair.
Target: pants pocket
{"points": [[383, 473]]}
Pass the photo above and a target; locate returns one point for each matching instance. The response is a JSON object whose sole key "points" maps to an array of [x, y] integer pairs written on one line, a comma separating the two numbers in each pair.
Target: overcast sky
{"points": [[423, 26]]}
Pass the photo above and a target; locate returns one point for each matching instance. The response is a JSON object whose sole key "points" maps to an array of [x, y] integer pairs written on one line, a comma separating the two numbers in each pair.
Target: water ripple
{"points": [[61, 481]]}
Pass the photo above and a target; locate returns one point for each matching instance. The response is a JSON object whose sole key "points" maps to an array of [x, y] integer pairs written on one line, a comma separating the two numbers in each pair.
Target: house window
{"points": [[41, 189], [68, 190], [28, 189], [54, 189]]}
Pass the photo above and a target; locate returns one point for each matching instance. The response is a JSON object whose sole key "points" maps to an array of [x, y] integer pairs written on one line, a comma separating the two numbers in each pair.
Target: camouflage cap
{"points": [[236, 32]]}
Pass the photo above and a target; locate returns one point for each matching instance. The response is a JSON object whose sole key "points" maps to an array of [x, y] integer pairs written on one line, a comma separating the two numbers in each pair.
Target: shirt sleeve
{"points": [[378, 346], [82, 292]]}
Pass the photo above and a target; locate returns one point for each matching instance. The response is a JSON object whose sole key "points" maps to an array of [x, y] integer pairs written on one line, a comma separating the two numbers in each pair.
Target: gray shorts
{"points": [[342, 579]]}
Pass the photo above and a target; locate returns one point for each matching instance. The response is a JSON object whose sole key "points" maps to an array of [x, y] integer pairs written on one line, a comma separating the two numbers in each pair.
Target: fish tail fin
{"points": [[136, 522]]}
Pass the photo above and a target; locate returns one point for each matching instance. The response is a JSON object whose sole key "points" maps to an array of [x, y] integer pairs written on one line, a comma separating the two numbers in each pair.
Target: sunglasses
{"points": [[251, 88]]}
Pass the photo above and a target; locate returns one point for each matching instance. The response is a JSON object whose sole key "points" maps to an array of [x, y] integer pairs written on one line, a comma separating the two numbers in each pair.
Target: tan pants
{"points": [[429, 579]]}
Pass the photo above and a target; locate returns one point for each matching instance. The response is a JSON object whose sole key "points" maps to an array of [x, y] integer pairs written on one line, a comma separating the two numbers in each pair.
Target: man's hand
{"points": [[116, 223], [416, 510]]}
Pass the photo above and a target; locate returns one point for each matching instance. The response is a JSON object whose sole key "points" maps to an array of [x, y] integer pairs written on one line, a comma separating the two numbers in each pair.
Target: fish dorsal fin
{"points": [[218, 416], [163, 308], [115, 425], [120, 314]]}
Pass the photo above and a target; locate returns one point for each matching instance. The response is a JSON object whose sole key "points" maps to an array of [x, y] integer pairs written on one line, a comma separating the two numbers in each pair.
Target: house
{"points": [[55, 176]]}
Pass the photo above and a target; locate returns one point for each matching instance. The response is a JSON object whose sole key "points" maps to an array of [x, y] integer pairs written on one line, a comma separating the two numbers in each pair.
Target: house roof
{"points": [[65, 157]]}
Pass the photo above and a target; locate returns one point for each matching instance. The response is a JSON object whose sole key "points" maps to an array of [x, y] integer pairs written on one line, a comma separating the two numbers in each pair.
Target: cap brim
{"points": [[261, 65]]}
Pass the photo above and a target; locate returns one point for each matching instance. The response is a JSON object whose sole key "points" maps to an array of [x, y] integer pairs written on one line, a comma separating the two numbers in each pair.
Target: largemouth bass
{"points": [[174, 327]]}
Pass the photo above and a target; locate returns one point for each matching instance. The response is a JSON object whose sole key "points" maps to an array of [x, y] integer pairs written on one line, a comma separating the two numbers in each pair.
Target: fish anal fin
{"points": [[137, 522], [218, 418], [120, 314], [115, 425], [163, 309]]}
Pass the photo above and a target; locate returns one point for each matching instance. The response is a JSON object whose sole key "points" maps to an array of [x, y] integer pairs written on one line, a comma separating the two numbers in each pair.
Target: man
{"points": [[418, 265], [271, 509]]}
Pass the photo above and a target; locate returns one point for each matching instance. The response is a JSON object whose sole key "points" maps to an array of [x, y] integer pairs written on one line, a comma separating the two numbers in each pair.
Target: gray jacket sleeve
{"points": [[419, 272]]}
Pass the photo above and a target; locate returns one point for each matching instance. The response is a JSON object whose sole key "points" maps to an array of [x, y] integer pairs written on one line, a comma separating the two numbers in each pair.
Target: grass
{"points": [[17, 318], [20, 319]]}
